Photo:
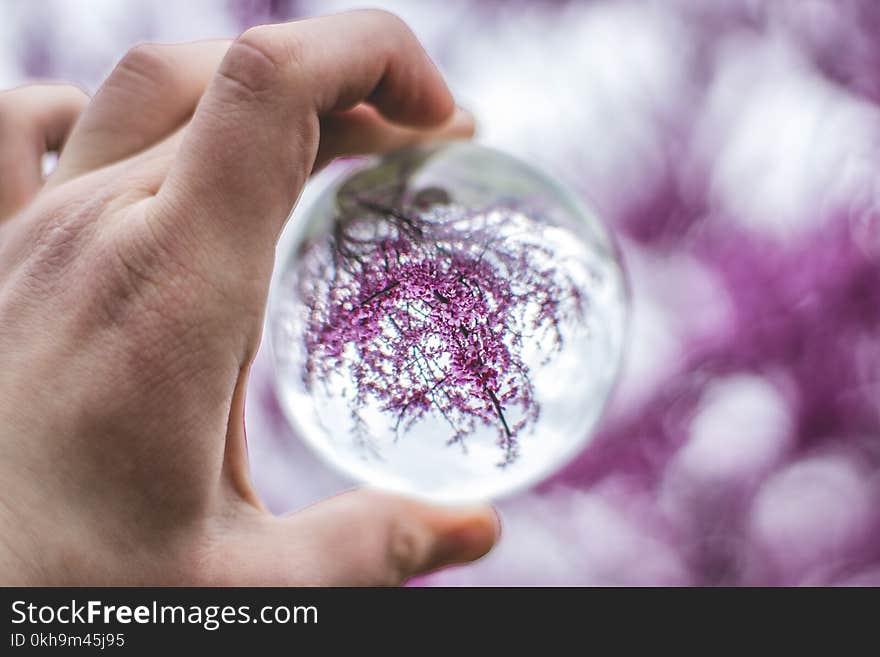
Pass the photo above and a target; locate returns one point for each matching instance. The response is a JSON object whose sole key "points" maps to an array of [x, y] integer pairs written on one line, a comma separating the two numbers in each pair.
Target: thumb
{"points": [[365, 538]]}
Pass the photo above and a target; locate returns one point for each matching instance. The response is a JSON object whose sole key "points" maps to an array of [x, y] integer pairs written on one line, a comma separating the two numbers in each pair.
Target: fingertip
{"points": [[471, 536], [381, 538], [462, 123]]}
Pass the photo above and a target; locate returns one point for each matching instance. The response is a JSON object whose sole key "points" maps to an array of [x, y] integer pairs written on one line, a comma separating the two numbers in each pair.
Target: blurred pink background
{"points": [[733, 147]]}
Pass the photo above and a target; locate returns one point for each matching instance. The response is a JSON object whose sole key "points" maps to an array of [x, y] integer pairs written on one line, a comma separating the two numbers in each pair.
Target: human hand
{"points": [[133, 283]]}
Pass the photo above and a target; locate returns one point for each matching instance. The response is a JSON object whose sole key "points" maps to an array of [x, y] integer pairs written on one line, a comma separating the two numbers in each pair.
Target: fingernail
{"points": [[496, 516], [463, 122]]}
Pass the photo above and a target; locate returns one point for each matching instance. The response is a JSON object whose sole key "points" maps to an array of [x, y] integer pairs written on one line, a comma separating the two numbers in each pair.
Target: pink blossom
{"points": [[427, 305]]}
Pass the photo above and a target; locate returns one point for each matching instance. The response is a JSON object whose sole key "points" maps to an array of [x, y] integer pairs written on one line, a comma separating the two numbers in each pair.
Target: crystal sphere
{"points": [[447, 322]]}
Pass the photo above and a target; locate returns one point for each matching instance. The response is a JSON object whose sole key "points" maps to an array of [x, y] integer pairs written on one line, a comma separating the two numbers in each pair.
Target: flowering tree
{"points": [[425, 305]]}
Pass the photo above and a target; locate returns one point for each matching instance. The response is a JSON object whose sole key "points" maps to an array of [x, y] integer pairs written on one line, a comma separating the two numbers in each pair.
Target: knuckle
{"points": [[145, 63], [388, 19], [258, 61], [261, 39], [66, 90], [144, 56], [70, 98], [406, 548], [391, 25]]}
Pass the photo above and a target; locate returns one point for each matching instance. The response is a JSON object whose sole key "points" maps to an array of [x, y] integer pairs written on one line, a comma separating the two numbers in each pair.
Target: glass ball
{"points": [[448, 322]]}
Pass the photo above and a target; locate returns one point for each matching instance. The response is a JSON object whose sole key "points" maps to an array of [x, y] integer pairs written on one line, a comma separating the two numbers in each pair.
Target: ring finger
{"points": [[34, 119]]}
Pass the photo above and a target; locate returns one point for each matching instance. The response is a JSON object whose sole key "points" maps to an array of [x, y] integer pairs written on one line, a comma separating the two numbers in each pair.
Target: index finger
{"points": [[254, 137]]}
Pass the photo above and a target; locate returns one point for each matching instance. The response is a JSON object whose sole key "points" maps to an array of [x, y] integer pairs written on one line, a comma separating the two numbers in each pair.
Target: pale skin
{"points": [[133, 283]]}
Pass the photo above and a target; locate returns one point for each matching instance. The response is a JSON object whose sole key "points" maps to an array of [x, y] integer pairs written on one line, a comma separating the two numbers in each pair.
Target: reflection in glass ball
{"points": [[448, 322]]}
